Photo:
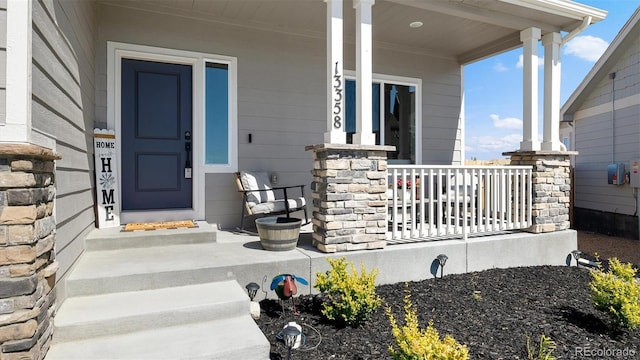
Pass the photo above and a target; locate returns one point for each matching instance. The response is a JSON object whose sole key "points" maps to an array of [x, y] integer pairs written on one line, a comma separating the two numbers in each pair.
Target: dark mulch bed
{"points": [[510, 303]]}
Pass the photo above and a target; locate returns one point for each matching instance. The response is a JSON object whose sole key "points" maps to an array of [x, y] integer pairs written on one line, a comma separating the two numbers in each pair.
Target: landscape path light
{"points": [[576, 255], [290, 334], [252, 290], [442, 260], [254, 306]]}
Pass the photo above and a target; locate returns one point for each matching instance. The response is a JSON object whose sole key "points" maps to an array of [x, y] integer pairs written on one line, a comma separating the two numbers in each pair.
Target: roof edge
{"points": [[570, 9], [574, 98]]}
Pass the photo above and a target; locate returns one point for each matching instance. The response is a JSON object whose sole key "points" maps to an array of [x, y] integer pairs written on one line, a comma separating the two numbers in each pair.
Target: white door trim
{"points": [[116, 51]]}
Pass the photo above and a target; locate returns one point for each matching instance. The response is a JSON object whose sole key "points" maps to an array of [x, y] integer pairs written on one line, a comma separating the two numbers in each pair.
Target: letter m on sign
{"points": [[107, 197]]}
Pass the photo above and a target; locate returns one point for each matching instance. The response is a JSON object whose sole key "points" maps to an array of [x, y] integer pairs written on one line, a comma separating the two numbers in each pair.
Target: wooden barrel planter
{"points": [[278, 233]]}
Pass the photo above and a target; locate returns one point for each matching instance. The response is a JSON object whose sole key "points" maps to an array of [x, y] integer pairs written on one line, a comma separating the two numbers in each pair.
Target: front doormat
{"points": [[160, 225]]}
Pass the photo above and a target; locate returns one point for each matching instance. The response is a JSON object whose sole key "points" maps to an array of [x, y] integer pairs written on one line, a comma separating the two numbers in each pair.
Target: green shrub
{"points": [[545, 350], [617, 292], [424, 344], [351, 296]]}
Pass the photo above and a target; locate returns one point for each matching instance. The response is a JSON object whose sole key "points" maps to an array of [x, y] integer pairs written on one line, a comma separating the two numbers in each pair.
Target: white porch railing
{"points": [[427, 201]]}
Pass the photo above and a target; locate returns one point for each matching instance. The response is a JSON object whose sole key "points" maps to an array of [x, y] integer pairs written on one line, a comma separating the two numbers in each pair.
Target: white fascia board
{"points": [[564, 8], [600, 65]]}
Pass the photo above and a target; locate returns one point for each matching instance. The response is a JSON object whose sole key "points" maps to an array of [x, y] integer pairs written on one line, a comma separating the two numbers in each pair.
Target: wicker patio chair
{"points": [[259, 197]]}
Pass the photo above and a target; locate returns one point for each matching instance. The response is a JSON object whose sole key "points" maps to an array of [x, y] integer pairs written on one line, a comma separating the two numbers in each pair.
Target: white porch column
{"points": [[364, 68], [530, 38], [551, 115], [16, 126], [335, 80]]}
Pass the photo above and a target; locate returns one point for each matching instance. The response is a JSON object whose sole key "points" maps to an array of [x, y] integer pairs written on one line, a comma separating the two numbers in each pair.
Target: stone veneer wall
{"points": [[27, 255], [551, 194], [349, 192]]}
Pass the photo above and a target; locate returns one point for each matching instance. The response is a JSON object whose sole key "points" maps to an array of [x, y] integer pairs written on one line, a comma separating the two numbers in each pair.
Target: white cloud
{"points": [[506, 123], [520, 63], [499, 67], [586, 47], [486, 143]]}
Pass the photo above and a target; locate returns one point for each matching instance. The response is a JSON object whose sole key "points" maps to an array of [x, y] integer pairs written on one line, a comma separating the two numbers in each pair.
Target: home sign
{"points": [[107, 195]]}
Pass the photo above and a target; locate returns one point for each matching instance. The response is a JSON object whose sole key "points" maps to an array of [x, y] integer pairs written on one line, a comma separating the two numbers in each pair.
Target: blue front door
{"points": [[156, 131]]}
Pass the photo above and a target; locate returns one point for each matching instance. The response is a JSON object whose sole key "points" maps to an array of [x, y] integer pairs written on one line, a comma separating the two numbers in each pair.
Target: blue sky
{"points": [[493, 87]]}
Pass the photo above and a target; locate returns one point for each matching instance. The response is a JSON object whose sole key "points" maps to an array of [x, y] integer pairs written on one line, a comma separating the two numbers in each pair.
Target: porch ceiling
{"points": [[467, 30]]}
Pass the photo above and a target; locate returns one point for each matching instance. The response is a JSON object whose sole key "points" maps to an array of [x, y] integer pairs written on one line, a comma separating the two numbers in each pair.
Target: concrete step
{"points": [[115, 238], [117, 313], [163, 294], [231, 338], [107, 271], [132, 269]]}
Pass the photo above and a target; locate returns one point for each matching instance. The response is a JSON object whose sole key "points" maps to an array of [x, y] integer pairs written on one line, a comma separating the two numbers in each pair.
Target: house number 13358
{"points": [[337, 106]]}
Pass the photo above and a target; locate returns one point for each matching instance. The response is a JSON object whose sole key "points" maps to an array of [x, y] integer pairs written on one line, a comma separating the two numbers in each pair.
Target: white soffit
{"points": [[467, 30]]}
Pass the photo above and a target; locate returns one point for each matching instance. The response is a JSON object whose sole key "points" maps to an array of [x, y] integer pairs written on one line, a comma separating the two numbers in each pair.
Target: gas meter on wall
{"points": [[616, 174], [634, 174]]}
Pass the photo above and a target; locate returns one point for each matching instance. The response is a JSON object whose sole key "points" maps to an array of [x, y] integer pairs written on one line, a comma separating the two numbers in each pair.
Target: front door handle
{"points": [[187, 148]]}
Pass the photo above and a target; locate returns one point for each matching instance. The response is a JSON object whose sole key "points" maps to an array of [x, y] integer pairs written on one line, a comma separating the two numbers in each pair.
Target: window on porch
{"points": [[218, 107], [216, 114], [393, 117]]}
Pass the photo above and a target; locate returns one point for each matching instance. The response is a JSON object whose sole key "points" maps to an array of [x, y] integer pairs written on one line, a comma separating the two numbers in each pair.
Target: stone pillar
{"points": [[551, 193], [349, 192], [27, 250]]}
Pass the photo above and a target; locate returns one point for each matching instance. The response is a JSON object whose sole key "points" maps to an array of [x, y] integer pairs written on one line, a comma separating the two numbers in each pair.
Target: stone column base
{"points": [[27, 250], [349, 192], [551, 193]]}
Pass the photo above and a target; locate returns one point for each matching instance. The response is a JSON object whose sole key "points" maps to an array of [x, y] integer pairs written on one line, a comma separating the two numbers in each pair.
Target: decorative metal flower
{"points": [[107, 180]]}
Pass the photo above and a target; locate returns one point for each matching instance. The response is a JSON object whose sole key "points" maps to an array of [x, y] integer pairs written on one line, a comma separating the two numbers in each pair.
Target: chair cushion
{"points": [[461, 179], [257, 181], [451, 196], [278, 206]]}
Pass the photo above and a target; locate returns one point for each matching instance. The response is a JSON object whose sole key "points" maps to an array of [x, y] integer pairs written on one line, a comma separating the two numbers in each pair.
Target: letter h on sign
{"points": [[106, 164]]}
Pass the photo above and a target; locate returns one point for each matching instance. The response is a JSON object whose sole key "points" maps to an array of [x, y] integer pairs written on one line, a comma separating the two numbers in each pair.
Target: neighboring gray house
{"points": [[602, 123]]}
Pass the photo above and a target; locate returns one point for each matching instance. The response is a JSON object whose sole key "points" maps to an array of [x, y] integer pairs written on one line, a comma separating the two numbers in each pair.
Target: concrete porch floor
{"points": [[240, 256]]}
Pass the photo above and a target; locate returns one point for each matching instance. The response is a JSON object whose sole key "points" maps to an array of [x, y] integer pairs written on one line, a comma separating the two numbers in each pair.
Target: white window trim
{"points": [[116, 51], [398, 80]]}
